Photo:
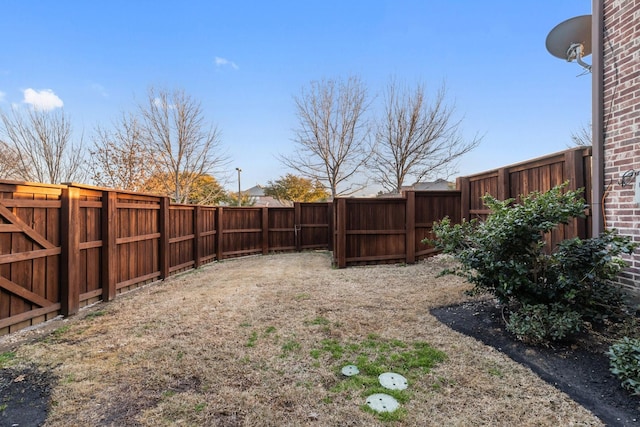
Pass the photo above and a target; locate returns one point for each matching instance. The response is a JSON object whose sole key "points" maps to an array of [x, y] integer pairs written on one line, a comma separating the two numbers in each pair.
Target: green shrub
{"points": [[505, 256], [540, 323], [624, 360], [581, 272]]}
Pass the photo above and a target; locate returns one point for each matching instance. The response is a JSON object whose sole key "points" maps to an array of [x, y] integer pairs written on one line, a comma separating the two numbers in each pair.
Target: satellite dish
{"points": [[571, 40]]}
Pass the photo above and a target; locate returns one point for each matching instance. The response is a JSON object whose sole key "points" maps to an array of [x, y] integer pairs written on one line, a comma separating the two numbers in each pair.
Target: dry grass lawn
{"points": [[246, 343]]}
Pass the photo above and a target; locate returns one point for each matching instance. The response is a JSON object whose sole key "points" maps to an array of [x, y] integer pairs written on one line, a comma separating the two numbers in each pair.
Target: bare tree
{"points": [[582, 137], [179, 141], [8, 162], [333, 134], [118, 157], [417, 137], [42, 143]]}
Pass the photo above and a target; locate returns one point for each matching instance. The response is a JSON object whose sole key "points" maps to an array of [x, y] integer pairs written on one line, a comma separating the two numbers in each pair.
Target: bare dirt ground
{"points": [[252, 342]]}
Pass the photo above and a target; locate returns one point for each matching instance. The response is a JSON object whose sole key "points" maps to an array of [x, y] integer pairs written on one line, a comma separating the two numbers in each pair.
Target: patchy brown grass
{"points": [[231, 345]]}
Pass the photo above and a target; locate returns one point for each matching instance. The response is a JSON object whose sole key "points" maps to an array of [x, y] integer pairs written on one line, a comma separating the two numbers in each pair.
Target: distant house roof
{"points": [[271, 202], [257, 194], [255, 191], [437, 185]]}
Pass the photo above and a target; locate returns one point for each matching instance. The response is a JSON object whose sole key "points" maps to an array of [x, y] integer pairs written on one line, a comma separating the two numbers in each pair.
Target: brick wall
{"points": [[621, 98]]}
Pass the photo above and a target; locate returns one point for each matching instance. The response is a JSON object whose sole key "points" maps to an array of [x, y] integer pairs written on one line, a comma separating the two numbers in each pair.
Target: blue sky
{"points": [[245, 60]]}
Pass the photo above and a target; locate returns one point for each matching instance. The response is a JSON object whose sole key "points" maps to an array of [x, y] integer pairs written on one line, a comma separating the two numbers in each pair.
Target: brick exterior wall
{"points": [[621, 98]]}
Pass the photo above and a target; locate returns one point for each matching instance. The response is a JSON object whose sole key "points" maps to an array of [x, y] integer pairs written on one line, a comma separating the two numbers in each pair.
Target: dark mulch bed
{"points": [[24, 396], [580, 371]]}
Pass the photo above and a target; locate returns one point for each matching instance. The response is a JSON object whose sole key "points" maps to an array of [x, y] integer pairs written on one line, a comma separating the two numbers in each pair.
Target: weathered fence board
{"points": [[374, 231], [242, 231], [207, 234], [390, 230], [430, 207], [182, 237], [281, 228], [137, 239], [314, 225]]}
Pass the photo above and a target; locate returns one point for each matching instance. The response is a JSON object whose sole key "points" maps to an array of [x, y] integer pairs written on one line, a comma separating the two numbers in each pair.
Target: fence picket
{"points": [[109, 248]]}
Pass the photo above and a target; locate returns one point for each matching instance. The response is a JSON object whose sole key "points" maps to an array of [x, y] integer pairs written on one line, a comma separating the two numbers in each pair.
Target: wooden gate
{"points": [[30, 250]]}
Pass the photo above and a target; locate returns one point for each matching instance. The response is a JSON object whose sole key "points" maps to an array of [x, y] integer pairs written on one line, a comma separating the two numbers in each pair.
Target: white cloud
{"points": [[44, 99], [223, 62], [2, 95], [97, 87]]}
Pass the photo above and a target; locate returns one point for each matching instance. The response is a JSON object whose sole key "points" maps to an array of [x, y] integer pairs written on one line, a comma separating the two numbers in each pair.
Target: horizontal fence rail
{"points": [[66, 246]]}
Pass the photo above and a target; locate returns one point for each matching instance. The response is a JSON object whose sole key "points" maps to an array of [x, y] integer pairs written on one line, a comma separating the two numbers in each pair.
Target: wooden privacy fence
{"points": [[390, 230], [542, 174], [66, 246], [370, 231]]}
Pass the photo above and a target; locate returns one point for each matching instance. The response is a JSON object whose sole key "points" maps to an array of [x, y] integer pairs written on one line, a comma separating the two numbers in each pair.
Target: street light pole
{"points": [[239, 195]]}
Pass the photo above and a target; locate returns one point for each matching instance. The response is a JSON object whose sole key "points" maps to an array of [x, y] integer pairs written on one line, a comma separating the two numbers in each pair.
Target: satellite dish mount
{"points": [[576, 51], [571, 40]]}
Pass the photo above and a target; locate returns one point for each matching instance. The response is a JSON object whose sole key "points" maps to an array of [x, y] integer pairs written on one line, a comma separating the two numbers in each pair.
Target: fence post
{"points": [[70, 257], [463, 185], [165, 231], [574, 173], [297, 225], [265, 230], [109, 245], [331, 226], [340, 256], [219, 232], [504, 185], [197, 230], [410, 231]]}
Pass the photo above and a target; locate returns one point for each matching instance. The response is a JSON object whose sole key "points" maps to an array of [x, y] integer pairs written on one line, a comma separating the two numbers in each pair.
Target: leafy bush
{"points": [[537, 324], [582, 271], [624, 360], [505, 255]]}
